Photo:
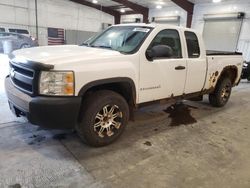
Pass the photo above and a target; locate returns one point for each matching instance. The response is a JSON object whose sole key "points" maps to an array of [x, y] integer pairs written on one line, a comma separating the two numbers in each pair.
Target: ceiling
{"points": [[125, 7], [106, 3], [145, 3]]}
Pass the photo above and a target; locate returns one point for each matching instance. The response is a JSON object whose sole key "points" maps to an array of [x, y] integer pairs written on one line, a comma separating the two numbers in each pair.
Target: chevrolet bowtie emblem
{"points": [[12, 73]]}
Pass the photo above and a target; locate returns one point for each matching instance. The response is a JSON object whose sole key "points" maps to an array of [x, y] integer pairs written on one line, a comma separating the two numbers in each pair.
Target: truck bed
{"points": [[213, 53], [217, 61]]}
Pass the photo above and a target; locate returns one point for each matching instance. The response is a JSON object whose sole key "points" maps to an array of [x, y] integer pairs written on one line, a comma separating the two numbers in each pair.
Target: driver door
{"points": [[163, 77]]}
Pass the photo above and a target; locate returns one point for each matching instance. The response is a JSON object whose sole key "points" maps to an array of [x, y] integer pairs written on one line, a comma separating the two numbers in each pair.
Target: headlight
{"points": [[57, 83]]}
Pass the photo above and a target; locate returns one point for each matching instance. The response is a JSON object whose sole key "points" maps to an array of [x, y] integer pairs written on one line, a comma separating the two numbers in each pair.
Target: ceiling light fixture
{"points": [[216, 1], [159, 3], [158, 6], [95, 1], [122, 10], [234, 8]]}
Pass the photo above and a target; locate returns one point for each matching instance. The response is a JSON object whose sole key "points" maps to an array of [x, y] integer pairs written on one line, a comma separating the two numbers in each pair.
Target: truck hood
{"points": [[60, 54]]}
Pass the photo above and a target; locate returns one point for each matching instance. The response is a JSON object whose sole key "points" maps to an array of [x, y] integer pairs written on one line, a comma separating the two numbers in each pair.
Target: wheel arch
{"points": [[123, 85], [23, 44], [230, 72]]}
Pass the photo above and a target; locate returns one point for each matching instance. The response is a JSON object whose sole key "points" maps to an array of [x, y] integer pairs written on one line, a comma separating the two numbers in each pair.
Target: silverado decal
{"points": [[150, 88]]}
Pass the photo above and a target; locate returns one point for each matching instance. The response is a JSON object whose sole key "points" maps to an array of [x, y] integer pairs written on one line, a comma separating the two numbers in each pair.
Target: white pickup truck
{"points": [[95, 87]]}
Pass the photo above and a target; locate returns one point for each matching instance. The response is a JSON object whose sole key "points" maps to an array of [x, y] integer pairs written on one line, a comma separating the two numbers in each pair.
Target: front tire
{"points": [[104, 118], [221, 95]]}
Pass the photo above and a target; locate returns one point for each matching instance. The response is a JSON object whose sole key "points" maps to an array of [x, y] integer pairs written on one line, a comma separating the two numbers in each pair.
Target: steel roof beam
{"points": [[136, 8], [129, 12], [107, 10], [187, 6]]}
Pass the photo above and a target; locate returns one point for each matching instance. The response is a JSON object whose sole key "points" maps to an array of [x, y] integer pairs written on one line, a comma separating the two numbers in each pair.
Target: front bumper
{"points": [[48, 112]]}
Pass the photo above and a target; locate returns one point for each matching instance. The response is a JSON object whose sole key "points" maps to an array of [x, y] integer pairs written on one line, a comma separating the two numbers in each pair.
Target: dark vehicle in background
{"points": [[15, 30], [17, 41], [246, 71]]}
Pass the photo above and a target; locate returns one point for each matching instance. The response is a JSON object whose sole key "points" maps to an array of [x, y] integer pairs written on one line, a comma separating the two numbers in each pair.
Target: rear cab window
{"points": [[193, 47], [2, 29]]}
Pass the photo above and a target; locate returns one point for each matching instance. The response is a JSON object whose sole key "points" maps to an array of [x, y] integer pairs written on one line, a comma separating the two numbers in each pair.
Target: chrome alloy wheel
{"points": [[108, 120], [225, 93]]}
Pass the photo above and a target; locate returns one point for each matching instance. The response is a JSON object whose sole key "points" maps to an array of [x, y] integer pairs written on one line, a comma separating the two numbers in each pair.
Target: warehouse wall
{"points": [[224, 7], [52, 13]]}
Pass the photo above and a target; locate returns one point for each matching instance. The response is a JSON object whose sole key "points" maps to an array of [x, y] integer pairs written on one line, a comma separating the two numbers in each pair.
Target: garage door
{"points": [[172, 20], [130, 20], [222, 33]]}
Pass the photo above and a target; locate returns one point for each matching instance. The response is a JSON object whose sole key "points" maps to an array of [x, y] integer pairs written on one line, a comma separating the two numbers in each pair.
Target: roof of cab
{"points": [[155, 25]]}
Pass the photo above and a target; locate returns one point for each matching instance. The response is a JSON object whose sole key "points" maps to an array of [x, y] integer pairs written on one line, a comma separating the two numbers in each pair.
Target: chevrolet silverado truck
{"points": [[95, 87]]}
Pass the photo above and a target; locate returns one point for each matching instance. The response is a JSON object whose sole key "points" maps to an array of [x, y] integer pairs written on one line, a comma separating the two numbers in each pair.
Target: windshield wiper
{"points": [[102, 46], [84, 44]]}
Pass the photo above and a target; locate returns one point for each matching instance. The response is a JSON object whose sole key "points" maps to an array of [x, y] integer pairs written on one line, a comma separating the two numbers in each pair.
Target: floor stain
{"points": [[33, 136], [180, 114], [59, 136], [189, 106], [147, 143], [15, 186], [36, 139]]}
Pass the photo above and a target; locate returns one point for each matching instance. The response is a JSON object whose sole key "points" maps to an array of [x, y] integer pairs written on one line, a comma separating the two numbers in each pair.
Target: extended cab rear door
{"points": [[163, 77], [196, 63]]}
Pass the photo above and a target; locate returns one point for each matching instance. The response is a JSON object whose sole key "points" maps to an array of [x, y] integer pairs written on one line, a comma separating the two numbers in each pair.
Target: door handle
{"points": [[180, 68]]}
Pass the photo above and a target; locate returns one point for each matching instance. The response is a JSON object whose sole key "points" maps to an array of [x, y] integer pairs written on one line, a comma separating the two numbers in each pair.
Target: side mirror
{"points": [[158, 52]]}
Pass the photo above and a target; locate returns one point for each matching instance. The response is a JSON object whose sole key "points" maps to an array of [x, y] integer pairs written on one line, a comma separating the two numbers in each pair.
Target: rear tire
{"points": [[24, 46], [222, 92], [103, 119]]}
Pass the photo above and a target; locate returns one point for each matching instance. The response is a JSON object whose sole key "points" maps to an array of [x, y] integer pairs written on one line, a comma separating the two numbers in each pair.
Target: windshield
{"points": [[124, 39]]}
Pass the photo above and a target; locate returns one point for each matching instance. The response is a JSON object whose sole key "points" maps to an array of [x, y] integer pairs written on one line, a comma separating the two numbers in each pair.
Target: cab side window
{"points": [[171, 38], [193, 47]]}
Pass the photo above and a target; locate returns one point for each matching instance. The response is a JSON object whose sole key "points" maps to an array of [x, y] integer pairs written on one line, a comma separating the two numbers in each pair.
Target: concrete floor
{"points": [[213, 152]]}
